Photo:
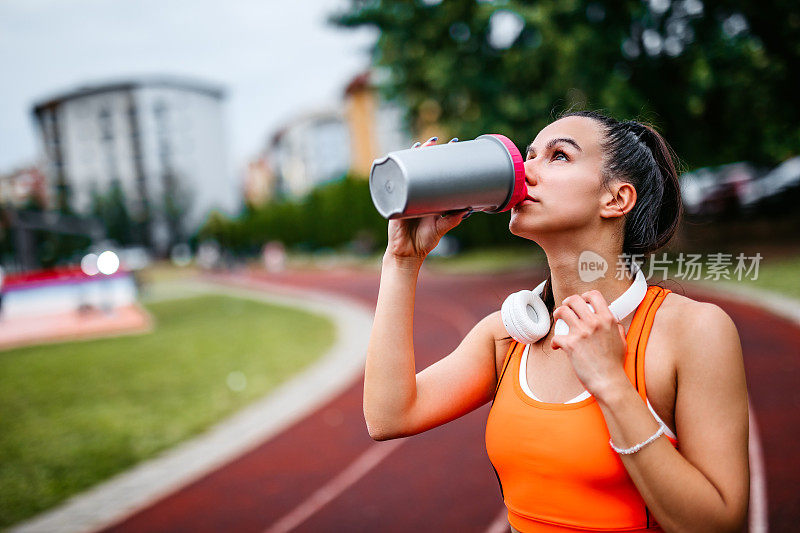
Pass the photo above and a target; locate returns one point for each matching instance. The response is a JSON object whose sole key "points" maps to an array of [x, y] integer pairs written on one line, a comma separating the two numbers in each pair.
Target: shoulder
{"points": [[493, 323], [694, 321], [701, 333]]}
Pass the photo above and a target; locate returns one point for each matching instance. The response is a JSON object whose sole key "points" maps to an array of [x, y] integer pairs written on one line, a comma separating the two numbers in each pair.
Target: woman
{"points": [[615, 457]]}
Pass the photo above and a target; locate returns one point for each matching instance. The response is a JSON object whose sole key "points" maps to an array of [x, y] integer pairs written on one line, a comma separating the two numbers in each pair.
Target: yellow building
{"points": [[316, 147], [259, 182], [376, 127]]}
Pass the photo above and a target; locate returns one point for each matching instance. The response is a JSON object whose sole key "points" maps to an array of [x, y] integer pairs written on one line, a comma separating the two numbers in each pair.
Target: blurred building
{"points": [[160, 139], [376, 127], [259, 181], [23, 188], [310, 150], [319, 147]]}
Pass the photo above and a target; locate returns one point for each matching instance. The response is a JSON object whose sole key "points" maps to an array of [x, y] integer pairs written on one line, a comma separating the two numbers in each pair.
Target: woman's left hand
{"points": [[595, 343]]}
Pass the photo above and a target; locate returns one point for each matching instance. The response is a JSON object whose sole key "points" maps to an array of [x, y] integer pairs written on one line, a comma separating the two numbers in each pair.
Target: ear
{"points": [[617, 200]]}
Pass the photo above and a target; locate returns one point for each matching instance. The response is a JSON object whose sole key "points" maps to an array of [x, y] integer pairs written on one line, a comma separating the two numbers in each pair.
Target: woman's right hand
{"points": [[414, 238]]}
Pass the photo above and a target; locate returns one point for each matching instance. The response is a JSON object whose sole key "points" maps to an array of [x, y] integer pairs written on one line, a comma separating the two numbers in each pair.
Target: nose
{"points": [[530, 174]]}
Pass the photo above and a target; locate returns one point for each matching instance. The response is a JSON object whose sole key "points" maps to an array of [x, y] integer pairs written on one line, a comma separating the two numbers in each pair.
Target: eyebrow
{"points": [[554, 142]]}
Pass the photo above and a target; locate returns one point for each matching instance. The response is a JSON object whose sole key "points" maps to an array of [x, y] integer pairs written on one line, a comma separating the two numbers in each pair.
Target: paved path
{"points": [[91, 324], [152, 480], [324, 473]]}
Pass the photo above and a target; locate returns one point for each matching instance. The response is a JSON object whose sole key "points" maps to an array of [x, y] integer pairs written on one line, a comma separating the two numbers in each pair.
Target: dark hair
{"points": [[637, 154]]}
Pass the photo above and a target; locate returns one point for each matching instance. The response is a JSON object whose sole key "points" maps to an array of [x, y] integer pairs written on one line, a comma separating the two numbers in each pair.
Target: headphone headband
{"points": [[527, 320]]}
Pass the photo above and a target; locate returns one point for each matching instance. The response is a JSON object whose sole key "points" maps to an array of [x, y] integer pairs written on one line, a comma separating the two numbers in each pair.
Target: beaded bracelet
{"points": [[636, 448]]}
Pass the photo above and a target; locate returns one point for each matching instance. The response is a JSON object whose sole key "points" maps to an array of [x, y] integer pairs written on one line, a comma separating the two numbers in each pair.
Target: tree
{"points": [[719, 79], [110, 207], [176, 203]]}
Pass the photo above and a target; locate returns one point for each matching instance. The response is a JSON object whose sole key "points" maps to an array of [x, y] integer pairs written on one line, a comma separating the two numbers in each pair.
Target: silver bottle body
{"points": [[478, 174]]}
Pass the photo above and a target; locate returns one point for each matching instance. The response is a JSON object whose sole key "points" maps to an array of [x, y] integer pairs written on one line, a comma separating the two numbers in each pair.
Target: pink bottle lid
{"points": [[520, 190]]}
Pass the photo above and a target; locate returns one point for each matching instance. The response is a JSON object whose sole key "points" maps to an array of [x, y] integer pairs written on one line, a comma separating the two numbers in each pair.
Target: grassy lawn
{"points": [[489, 260], [475, 261], [781, 276], [74, 414], [776, 273]]}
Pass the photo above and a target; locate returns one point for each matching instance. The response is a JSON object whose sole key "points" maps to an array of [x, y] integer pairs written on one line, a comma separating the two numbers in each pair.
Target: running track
{"points": [[325, 473]]}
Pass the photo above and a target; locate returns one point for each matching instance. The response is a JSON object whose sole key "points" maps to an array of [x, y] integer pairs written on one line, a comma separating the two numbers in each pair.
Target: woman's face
{"points": [[563, 174]]}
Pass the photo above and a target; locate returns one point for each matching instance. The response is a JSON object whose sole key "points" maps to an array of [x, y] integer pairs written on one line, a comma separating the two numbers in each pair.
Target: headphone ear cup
{"points": [[508, 319], [525, 316]]}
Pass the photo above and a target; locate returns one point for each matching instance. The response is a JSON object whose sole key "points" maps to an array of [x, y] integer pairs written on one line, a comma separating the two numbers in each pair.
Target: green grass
{"points": [[779, 275], [74, 414], [776, 273], [489, 260]]}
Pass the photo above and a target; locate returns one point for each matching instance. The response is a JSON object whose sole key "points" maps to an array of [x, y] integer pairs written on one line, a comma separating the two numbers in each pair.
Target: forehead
{"points": [[583, 130]]}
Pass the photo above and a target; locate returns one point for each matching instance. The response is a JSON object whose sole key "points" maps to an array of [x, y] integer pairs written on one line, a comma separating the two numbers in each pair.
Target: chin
{"points": [[518, 226], [533, 229]]}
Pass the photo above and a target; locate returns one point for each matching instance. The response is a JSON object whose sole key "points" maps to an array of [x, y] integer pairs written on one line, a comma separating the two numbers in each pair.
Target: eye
{"points": [[559, 154]]}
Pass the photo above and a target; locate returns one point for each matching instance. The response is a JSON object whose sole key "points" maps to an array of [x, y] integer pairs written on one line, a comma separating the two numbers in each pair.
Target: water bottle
{"points": [[486, 174]]}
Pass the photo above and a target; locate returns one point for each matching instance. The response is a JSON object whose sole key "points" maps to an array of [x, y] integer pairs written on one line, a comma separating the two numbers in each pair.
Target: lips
{"points": [[525, 201]]}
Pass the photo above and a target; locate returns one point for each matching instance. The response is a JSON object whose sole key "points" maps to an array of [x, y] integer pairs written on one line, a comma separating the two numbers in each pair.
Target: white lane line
{"points": [[500, 524], [757, 515], [322, 496], [462, 321]]}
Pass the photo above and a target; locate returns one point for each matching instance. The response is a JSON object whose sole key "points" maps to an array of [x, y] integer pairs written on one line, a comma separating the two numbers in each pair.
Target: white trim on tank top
{"points": [[523, 382]]}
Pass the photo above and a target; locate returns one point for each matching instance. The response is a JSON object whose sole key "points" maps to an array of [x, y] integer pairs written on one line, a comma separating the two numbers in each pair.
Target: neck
{"points": [[567, 274], [596, 244]]}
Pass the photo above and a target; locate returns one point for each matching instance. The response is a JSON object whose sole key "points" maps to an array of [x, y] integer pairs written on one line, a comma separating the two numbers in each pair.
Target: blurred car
{"points": [[717, 190], [134, 257], [778, 181]]}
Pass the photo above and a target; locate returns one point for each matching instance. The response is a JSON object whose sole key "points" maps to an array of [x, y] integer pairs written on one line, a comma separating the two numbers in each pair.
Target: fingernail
{"points": [[453, 140], [416, 144], [432, 139]]}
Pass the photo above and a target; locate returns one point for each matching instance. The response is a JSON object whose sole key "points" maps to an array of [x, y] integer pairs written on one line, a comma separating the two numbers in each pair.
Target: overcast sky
{"points": [[276, 58]]}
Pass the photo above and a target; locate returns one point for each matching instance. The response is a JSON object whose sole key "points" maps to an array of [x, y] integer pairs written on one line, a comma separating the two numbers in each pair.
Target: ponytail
{"points": [[671, 211], [637, 154]]}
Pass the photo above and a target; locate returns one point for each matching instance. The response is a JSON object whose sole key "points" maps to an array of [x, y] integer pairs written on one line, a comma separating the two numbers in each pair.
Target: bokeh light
{"points": [[107, 263], [89, 264]]}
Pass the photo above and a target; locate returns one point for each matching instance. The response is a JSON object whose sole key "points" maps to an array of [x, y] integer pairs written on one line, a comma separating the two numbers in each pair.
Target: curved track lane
{"points": [[324, 473]]}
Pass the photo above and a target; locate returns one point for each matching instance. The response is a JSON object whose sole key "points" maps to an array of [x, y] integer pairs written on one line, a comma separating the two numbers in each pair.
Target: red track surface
{"points": [[442, 480]]}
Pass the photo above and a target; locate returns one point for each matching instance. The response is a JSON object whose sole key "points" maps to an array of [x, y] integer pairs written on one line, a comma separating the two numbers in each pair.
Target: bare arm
{"points": [[398, 402], [389, 382], [705, 486]]}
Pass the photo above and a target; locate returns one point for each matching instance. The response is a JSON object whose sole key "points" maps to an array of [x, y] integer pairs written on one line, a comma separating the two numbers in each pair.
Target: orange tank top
{"points": [[555, 467]]}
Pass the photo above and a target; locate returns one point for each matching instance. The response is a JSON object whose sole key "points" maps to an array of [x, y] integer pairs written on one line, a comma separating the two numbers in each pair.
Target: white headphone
{"points": [[527, 320]]}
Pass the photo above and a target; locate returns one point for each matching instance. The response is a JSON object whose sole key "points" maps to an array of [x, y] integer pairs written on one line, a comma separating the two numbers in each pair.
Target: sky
{"points": [[275, 58]]}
